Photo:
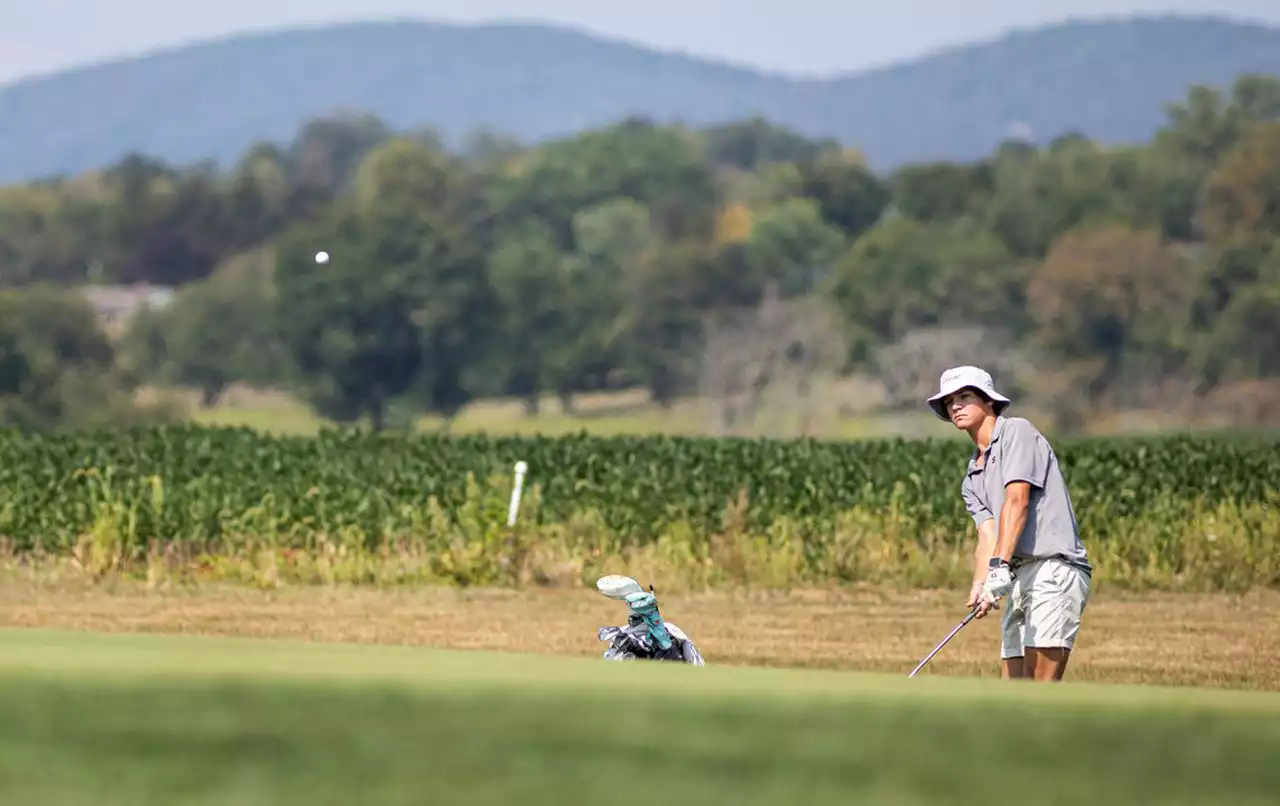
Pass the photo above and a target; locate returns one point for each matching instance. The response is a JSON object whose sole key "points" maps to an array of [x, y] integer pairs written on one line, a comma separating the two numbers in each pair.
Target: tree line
{"points": [[734, 261]]}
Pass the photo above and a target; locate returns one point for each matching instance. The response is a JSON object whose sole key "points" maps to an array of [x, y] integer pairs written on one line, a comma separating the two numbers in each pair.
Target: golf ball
{"points": [[322, 257]]}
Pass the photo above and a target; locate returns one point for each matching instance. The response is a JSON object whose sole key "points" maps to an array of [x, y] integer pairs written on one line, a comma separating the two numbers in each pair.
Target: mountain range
{"points": [[1109, 80]]}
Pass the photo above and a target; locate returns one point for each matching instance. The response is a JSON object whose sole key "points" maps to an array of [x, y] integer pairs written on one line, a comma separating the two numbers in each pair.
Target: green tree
{"points": [[1038, 197], [1208, 122], [57, 365], [529, 276], [327, 151], [1235, 318], [399, 306], [905, 274], [755, 143], [613, 238], [663, 168], [940, 191], [848, 194], [349, 326], [771, 184], [1245, 341], [1242, 194], [1201, 130], [47, 235], [1156, 187], [1110, 298], [660, 318], [214, 332], [792, 244]]}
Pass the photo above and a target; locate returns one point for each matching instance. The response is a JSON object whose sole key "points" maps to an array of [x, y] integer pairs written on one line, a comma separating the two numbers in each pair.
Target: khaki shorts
{"points": [[1044, 608]]}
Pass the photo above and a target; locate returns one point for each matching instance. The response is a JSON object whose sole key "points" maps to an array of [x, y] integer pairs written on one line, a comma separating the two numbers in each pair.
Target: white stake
{"points": [[521, 469]]}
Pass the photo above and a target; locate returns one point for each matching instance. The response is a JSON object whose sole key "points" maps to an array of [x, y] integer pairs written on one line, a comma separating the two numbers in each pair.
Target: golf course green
{"points": [[150, 719]]}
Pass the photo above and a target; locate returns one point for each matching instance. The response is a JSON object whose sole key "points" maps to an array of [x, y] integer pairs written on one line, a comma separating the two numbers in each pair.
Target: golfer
{"points": [[1028, 545]]}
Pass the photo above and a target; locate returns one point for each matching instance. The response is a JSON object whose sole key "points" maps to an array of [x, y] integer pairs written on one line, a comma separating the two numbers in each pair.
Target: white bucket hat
{"points": [[957, 378]]}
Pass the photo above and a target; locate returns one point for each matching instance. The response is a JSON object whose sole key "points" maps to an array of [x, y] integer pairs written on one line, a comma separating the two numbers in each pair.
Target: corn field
{"points": [[1187, 511], [193, 483]]}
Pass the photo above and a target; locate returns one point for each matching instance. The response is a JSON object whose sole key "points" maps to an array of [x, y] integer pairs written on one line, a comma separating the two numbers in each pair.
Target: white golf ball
{"points": [[322, 257]]}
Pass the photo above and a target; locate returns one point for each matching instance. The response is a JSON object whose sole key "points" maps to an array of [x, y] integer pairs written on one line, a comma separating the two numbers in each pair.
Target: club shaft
{"points": [[944, 642]]}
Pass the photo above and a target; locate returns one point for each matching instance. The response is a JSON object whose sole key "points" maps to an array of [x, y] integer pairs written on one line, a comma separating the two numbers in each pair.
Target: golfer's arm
{"points": [[1013, 516], [983, 551]]}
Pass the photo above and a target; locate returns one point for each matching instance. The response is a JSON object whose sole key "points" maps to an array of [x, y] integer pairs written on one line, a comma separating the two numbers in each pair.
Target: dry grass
{"points": [[1211, 640]]}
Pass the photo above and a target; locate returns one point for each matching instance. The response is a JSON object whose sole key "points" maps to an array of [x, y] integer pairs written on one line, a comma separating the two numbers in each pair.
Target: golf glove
{"points": [[999, 583]]}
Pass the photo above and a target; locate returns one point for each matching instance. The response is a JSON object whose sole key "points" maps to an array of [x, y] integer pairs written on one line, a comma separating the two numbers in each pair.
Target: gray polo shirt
{"points": [[1019, 452]]}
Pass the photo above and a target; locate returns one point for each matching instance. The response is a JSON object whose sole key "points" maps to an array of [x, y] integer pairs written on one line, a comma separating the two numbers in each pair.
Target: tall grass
{"points": [[190, 484], [1223, 546]]}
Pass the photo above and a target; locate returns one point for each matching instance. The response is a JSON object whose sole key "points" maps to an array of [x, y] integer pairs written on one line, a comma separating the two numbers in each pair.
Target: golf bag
{"points": [[646, 636]]}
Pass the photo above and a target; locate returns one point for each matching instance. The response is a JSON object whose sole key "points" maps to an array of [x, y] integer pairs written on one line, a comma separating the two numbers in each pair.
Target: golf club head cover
{"points": [[644, 606]]}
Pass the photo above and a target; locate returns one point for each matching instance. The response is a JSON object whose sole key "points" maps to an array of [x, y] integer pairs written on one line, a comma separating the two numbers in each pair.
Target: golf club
{"points": [[950, 635]]}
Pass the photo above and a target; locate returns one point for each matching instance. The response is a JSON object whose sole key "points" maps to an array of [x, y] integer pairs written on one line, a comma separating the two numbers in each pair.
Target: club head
{"points": [[617, 586]]}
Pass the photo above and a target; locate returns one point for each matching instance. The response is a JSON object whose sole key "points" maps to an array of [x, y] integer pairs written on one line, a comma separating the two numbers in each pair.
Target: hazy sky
{"points": [[796, 36]]}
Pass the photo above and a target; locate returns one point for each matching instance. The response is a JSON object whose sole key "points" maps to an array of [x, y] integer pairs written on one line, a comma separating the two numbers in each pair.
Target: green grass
{"points": [[181, 720]]}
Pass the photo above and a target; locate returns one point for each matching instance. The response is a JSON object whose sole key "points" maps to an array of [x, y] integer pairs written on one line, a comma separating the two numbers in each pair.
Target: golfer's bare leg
{"points": [[1012, 668], [1046, 664]]}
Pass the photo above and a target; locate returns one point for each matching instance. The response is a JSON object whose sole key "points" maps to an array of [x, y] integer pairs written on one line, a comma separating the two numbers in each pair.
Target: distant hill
{"points": [[1108, 80]]}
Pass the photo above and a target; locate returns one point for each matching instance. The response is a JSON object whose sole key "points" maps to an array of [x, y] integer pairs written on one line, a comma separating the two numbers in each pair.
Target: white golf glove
{"points": [[999, 583]]}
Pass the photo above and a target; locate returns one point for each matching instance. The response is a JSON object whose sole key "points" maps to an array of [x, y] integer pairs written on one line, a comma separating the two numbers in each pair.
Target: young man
{"points": [[1028, 545]]}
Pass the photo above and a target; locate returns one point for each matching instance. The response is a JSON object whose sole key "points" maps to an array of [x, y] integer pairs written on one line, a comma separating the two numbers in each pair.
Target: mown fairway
{"points": [[181, 720]]}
